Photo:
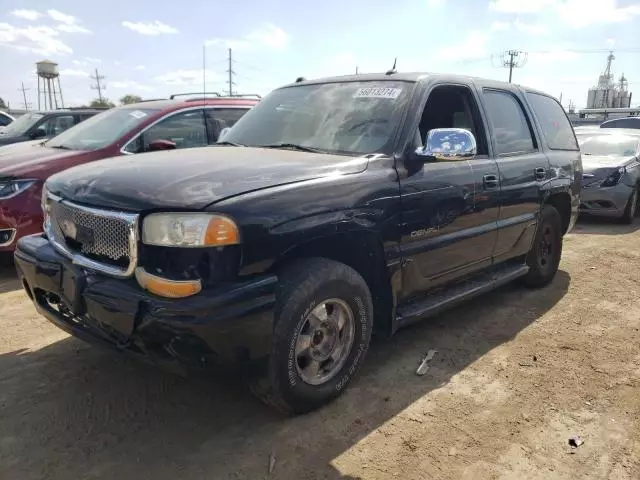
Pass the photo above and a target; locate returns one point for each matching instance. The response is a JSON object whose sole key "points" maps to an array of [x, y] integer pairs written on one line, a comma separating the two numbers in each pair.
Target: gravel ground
{"points": [[516, 373]]}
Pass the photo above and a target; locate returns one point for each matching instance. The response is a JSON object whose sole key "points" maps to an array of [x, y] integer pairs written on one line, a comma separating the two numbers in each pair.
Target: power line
{"points": [[98, 86], [513, 59]]}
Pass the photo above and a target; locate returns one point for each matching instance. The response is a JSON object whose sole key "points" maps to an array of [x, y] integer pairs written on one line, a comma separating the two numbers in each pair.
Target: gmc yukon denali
{"points": [[334, 209]]}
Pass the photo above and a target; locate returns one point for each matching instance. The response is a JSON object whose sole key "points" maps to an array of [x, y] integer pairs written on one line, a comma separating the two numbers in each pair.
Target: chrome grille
{"points": [[104, 240]]}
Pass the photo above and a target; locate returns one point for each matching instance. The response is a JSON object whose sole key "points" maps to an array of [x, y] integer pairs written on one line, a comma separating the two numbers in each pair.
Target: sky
{"points": [[154, 49]]}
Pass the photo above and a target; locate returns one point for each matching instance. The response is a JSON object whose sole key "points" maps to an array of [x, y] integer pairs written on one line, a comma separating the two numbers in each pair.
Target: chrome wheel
{"points": [[324, 341]]}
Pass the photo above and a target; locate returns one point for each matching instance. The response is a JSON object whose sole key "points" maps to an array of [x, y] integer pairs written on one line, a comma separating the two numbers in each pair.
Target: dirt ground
{"points": [[516, 374]]}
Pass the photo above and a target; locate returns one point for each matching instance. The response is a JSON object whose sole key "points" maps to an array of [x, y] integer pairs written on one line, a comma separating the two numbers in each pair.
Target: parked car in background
{"points": [[43, 125], [336, 207], [611, 176], [125, 130], [626, 122], [5, 119]]}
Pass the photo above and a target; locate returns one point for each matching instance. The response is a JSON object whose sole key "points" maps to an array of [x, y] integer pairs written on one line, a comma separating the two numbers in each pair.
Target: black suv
{"points": [[333, 209], [43, 125]]}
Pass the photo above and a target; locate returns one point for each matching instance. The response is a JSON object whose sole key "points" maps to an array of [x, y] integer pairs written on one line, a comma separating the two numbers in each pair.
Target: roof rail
{"points": [[84, 108], [240, 95], [150, 100], [194, 93]]}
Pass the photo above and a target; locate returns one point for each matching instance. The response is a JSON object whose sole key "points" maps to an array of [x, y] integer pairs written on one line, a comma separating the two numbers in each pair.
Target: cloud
{"points": [[26, 14], [86, 61], [267, 36], [62, 17], [149, 28], [500, 26], [40, 40], [140, 67], [554, 55], [530, 28], [472, 47], [70, 72], [130, 85], [519, 6], [73, 29], [574, 13], [186, 77]]}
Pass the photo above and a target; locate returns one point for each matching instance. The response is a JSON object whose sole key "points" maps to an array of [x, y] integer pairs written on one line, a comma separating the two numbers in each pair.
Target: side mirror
{"points": [[38, 133], [448, 145], [160, 144], [223, 133]]}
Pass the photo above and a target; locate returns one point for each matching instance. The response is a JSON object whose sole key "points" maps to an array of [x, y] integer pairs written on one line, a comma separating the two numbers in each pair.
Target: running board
{"points": [[436, 302]]}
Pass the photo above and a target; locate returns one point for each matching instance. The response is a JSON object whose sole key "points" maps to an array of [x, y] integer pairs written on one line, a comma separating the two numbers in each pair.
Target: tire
{"points": [[630, 209], [307, 290], [546, 250]]}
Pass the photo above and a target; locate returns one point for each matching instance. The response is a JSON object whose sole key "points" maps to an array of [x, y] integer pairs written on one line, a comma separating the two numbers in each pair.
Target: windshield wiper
{"points": [[61, 147], [233, 144], [294, 146]]}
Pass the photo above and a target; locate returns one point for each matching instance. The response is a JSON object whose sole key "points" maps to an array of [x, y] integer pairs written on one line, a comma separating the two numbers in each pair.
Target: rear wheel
{"points": [[544, 257], [631, 208], [324, 318]]}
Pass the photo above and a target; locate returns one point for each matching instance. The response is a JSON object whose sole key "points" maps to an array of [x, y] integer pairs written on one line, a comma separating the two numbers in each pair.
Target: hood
{"points": [[31, 159], [596, 168], [193, 178]]}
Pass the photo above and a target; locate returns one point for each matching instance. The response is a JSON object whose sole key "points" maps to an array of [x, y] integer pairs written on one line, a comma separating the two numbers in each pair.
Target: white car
{"points": [[5, 119]]}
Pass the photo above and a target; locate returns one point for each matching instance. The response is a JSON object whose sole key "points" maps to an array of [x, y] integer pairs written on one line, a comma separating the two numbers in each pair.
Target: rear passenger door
{"points": [[523, 170]]}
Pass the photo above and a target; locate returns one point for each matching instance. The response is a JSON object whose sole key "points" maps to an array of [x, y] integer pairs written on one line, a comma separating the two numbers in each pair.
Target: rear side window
{"points": [[220, 118], [554, 122], [510, 126]]}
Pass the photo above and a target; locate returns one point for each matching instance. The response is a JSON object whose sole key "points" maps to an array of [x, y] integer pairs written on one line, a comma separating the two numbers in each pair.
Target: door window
{"points": [[554, 122], [511, 128], [185, 129], [56, 125], [219, 118]]}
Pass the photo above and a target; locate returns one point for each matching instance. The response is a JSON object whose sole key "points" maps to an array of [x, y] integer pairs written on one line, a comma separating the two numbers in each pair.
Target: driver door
{"points": [[449, 223]]}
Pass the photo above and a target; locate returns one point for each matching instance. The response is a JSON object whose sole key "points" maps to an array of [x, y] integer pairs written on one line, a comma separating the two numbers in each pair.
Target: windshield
{"points": [[100, 130], [609, 145], [21, 124], [345, 118]]}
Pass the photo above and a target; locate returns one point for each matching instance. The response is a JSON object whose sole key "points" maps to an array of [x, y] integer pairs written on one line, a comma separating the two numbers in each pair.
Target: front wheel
{"points": [[544, 257], [323, 324], [631, 208]]}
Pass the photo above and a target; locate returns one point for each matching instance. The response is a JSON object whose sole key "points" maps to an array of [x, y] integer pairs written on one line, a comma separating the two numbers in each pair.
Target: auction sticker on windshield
{"points": [[138, 114], [378, 92]]}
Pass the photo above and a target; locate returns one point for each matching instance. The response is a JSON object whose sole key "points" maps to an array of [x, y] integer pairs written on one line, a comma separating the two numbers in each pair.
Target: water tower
{"points": [[48, 73]]}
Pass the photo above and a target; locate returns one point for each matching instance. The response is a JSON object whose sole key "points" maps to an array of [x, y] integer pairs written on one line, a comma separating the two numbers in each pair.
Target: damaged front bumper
{"points": [[229, 325]]}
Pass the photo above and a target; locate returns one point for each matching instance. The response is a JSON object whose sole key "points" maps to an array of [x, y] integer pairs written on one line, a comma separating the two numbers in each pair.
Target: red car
{"points": [[129, 129]]}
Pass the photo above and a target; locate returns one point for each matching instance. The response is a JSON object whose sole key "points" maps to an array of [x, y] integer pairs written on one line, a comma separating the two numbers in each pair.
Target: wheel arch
{"points": [[561, 201], [361, 250]]}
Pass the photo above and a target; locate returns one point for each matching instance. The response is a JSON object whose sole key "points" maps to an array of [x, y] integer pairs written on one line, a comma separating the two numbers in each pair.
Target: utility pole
{"points": [[231, 74], [97, 86], [356, 70], [513, 59], [24, 96]]}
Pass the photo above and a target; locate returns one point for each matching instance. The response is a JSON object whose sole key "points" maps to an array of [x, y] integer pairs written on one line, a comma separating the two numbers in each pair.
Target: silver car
{"points": [[611, 172]]}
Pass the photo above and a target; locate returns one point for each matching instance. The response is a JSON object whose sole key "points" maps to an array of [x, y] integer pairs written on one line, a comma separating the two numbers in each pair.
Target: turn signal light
{"points": [[221, 231], [167, 288]]}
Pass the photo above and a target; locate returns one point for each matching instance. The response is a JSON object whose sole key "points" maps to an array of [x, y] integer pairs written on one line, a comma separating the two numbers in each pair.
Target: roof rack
{"points": [[194, 93], [83, 108], [240, 95]]}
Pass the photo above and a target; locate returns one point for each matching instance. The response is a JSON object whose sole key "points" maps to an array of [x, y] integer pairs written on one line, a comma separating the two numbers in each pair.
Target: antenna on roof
{"points": [[393, 69], [300, 79]]}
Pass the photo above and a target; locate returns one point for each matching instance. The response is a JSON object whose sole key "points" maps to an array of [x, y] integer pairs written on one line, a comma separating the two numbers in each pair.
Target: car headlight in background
{"points": [[189, 230], [11, 188], [613, 179]]}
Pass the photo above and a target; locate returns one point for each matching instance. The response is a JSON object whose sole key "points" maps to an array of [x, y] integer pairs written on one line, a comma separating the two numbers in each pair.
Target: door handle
{"points": [[540, 173], [490, 181]]}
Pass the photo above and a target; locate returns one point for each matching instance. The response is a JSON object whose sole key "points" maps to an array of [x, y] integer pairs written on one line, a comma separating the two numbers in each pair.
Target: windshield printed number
{"points": [[378, 92]]}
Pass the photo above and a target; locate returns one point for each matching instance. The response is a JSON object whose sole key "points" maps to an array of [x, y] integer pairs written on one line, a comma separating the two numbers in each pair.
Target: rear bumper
{"points": [[230, 325], [605, 201]]}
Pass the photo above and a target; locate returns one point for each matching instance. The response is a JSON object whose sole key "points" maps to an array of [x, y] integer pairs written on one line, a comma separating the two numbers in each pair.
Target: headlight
{"points": [[11, 188], [189, 230], [614, 178]]}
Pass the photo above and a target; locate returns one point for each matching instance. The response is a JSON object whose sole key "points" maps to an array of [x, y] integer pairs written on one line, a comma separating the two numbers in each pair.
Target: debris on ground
{"points": [[575, 441], [272, 463], [424, 367]]}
